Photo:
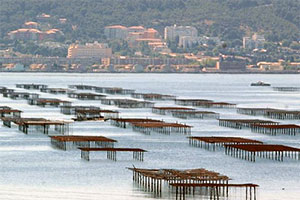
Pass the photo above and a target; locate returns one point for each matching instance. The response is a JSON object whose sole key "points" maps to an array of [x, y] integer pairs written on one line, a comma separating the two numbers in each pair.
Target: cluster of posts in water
{"points": [[181, 182], [189, 182]]}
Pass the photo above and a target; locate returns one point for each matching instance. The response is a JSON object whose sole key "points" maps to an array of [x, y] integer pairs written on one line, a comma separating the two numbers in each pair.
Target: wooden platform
{"points": [[211, 143], [75, 141], [270, 151]]}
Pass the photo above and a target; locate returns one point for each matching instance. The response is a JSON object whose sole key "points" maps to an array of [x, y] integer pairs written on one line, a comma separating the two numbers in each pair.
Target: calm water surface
{"points": [[31, 169]]}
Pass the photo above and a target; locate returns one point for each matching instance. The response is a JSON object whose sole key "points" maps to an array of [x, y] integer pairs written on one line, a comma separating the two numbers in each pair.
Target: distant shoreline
{"points": [[231, 72]]}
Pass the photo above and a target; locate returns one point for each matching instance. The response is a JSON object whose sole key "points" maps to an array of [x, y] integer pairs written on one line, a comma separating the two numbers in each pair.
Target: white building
{"points": [[189, 41], [172, 32], [254, 42], [89, 50]]}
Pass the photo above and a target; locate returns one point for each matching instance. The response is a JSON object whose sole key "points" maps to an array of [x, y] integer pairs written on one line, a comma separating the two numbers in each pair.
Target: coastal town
{"points": [[139, 49], [149, 99]]}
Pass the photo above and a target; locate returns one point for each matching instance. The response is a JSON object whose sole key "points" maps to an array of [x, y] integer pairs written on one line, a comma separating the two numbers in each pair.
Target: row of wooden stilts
{"points": [[251, 156], [150, 184], [214, 192]]}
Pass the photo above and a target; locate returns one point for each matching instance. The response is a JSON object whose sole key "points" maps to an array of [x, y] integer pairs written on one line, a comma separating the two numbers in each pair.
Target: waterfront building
{"points": [[89, 50]]}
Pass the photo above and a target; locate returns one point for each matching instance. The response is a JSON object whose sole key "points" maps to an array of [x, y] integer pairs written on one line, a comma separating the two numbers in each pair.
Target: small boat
{"points": [[260, 83]]}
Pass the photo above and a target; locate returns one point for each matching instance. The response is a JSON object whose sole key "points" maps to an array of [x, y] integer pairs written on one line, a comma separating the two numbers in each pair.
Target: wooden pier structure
{"points": [[282, 114], [167, 110], [107, 90], [216, 191], [56, 90], [213, 143], [153, 96], [111, 153], [287, 89], [37, 124], [275, 129], [190, 102], [71, 110], [114, 90], [21, 95], [5, 90], [244, 123], [95, 114], [188, 182], [127, 122], [271, 113], [127, 103], [6, 111], [253, 111], [31, 86], [82, 87], [86, 96], [249, 152], [70, 142], [195, 114], [205, 103], [215, 105], [162, 127], [43, 102]]}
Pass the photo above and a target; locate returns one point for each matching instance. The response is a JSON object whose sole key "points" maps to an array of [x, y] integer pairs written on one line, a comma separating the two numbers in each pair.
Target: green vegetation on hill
{"points": [[228, 19]]}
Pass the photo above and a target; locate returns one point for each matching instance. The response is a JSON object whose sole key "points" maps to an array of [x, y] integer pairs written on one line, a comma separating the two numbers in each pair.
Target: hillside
{"points": [[228, 19]]}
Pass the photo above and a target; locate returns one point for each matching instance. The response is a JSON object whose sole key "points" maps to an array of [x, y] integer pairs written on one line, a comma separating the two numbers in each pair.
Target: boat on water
{"points": [[260, 83]]}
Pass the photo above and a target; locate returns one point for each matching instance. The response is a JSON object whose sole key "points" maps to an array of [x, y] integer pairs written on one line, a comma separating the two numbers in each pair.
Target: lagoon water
{"points": [[31, 169]]}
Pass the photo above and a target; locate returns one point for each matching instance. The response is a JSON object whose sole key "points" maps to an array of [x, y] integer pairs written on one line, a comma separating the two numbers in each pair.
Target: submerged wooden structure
{"points": [[111, 153], [212, 143], [43, 102], [5, 90], [190, 102], [194, 114], [253, 111], [45, 126], [127, 103], [167, 110], [216, 191], [153, 96], [31, 86], [21, 95], [161, 127], [56, 90], [275, 129], [243, 123], [283, 114], [107, 90], [82, 87], [95, 114], [188, 182], [71, 110], [271, 113], [6, 111], [127, 122], [205, 103], [114, 90], [86, 96], [287, 89], [215, 105], [69, 142], [249, 152]]}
